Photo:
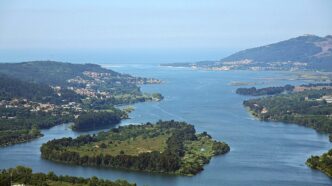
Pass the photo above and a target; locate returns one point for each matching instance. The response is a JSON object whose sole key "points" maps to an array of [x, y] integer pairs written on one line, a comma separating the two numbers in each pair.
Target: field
{"points": [[132, 146], [166, 147]]}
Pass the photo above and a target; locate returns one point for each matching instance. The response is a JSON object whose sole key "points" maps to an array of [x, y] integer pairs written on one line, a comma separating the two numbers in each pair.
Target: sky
{"points": [[155, 25]]}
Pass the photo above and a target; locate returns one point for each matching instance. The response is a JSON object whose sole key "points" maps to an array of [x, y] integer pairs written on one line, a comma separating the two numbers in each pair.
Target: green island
{"points": [[165, 147], [253, 91], [309, 106], [21, 175], [268, 91], [41, 94]]}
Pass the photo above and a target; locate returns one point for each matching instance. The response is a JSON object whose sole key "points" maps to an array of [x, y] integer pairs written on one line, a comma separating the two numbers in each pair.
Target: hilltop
{"points": [[41, 94], [308, 52]]}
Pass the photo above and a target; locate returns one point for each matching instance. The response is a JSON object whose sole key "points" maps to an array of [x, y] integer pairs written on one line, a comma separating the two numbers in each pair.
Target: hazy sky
{"points": [[175, 24]]}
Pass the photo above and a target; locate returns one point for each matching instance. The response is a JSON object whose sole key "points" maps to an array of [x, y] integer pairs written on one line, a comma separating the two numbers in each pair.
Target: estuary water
{"points": [[262, 153]]}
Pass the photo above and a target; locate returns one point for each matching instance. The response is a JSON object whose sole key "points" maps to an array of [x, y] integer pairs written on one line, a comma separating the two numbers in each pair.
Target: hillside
{"points": [[308, 52], [49, 72], [15, 88], [42, 94], [88, 80], [11, 87], [58, 73], [308, 48], [21, 175]]}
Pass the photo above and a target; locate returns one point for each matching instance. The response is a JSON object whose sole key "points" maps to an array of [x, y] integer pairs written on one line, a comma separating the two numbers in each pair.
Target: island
{"points": [[21, 175], [268, 91], [253, 91], [169, 147], [41, 94], [309, 106]]}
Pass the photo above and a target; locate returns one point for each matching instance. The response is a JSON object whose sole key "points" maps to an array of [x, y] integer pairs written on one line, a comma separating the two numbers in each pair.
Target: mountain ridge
{"points": [[311, 45], [306, 52]]}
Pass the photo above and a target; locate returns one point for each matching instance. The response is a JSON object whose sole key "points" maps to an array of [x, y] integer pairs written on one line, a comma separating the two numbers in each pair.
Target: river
{"points": [[262, 153]]}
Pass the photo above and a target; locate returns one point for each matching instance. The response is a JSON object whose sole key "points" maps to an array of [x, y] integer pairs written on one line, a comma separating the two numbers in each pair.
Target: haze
{"points": [[213, 25]]}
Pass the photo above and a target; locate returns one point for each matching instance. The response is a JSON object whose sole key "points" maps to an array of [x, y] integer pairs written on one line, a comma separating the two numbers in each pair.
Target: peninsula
{"points": [[166, 147], [307, 52]]}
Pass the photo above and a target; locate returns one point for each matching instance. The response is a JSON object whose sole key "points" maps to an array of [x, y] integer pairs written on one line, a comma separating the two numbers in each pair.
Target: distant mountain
{"points": [[304, 52]]}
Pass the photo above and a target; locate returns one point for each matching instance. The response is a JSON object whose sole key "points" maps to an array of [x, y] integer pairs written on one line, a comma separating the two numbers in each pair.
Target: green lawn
{"points": [[197, 154], [166, 147], [132, 146]]}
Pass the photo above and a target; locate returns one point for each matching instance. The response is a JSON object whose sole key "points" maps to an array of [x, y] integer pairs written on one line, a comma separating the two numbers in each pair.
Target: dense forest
{"points": [[49, 72], [308, 108], [58, 74], [167, 147], [19, 125], [94, 120], [24, 175], [322, 163], [253, 91], [123, 99], [75, 81], [10, 137], [15, 88], [304, 108]]}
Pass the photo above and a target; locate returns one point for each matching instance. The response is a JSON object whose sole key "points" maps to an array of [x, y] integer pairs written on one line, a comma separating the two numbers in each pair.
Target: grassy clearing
{"points": [[132, 146], [166, 147], [197, 154]]}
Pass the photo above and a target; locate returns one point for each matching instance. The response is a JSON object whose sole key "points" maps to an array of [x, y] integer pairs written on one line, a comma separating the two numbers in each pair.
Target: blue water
{"points": [[262, 153]]}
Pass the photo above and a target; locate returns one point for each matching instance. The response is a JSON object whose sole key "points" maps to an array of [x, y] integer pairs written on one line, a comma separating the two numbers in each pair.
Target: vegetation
{"points": [[157, 96], [49, 72], [264, 91], [166, 147], [95, 120], [299, 49], [24, 175], [19, 125], [317, 85], [322, 163], [47, 93], [71, 82], [300, 53], [309, 108], [59, 74], [305, 108], [15, 88], [9, 137], [122, 99]]}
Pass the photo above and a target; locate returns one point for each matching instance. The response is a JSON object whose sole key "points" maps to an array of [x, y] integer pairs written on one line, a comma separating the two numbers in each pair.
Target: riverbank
{"points": [[262, 153]]}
